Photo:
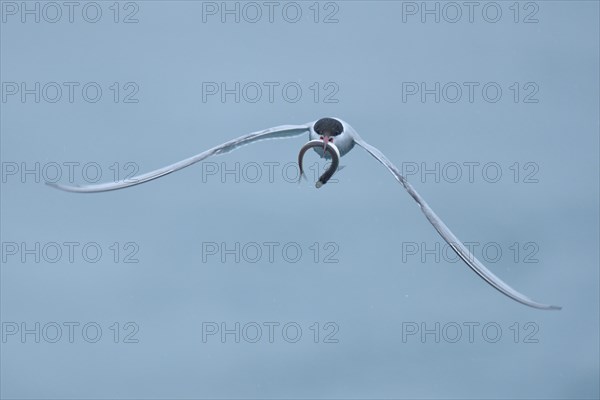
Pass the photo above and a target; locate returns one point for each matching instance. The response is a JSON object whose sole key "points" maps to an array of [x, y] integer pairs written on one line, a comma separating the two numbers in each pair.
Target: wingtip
{"points": [[53, 185], [64, 188], [541, 306]]}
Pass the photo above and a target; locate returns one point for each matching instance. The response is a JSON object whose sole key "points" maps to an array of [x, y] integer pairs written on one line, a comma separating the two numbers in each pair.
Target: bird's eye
{"points": [[321, 137], [331, 139]]}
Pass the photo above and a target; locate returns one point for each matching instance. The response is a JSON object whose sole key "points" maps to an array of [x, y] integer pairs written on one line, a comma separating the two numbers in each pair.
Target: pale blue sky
{"points": [[376, 291]]}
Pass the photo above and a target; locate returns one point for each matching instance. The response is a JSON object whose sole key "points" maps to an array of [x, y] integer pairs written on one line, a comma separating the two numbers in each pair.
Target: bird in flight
{"points": [[331, 138]]}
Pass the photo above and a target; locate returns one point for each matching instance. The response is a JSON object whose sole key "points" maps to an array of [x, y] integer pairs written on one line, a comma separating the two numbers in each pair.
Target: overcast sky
{"points": [[229, 279]]}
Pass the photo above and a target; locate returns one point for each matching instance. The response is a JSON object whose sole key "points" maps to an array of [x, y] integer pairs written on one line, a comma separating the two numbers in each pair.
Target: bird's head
{"points": [[331, 130]]}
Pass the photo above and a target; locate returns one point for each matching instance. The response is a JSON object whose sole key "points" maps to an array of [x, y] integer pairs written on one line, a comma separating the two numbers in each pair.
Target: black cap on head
{"points": [[329, 127]]}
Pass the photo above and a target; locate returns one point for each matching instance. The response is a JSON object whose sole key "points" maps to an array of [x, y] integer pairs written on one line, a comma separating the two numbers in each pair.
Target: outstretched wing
{"points": [[449, 237], [278, 132]]}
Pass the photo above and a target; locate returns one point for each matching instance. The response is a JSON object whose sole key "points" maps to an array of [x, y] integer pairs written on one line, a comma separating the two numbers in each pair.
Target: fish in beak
{"points": [[327, 147]]}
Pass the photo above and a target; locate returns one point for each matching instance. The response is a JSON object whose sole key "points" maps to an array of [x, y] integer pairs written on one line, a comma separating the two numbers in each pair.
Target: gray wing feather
{"points": [[449, 237], [278, 132]]}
